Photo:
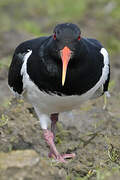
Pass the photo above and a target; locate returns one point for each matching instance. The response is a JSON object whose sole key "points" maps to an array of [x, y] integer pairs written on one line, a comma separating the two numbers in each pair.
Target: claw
{"points": [[49, 137], [61, 158]]}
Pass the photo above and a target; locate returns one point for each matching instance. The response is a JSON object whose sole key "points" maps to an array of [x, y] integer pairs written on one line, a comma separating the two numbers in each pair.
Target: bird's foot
{"points": [[49, 137], [54, 119], [61, 157]]}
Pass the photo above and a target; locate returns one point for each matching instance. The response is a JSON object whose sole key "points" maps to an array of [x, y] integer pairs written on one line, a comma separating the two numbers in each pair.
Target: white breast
{"points": [[47, 103]]}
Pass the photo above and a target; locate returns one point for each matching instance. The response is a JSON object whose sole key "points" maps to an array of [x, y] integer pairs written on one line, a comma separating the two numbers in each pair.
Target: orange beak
{"points": [[65, 56]]}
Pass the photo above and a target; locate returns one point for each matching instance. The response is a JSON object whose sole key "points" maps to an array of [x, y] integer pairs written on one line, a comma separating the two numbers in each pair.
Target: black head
{"points": [[66, 34], [65, 44]]}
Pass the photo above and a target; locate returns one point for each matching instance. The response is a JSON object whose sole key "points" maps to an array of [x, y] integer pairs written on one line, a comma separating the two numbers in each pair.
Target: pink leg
{"points": [[54, 119], [49, 137]]}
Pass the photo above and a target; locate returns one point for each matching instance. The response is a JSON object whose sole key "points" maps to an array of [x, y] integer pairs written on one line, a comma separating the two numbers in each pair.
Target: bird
{"points": [[57, 73]]}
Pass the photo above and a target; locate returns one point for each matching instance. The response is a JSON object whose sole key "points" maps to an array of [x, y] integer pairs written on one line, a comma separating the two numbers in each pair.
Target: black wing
{"points": [[14, 75], [105, 86], [99, 45], [95, 42]]}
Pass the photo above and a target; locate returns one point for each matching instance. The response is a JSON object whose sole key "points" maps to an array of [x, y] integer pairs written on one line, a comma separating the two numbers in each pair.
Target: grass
{"points": [[3, 120], [98, 174], [116, 10], [5, 62], [36, 17], [27, 14], [113, 45], [30, 27]]}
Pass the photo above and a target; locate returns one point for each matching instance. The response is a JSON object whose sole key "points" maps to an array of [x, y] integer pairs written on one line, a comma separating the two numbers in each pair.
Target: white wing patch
{"points": [[23, 72], [24, 66], [105, 70], [24, 69], [105, 54]]}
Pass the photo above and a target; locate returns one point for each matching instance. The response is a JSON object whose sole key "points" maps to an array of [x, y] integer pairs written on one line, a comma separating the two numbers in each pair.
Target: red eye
{"points": [[54, 36], [79, 37]]}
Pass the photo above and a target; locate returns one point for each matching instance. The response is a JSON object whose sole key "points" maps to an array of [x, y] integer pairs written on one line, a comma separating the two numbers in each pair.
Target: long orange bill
{"points": [[65, 56]]}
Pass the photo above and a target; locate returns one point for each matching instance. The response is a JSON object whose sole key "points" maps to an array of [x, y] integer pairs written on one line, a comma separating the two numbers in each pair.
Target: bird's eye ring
{"points": [[79, 38], [54, 36]]}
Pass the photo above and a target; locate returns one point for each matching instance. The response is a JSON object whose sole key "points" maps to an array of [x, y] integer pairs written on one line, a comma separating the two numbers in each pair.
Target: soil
{"points": [[90, 132]]}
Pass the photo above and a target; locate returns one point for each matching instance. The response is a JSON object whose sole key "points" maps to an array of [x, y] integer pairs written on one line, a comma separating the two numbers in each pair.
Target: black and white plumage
{"points": [[59, 72]]}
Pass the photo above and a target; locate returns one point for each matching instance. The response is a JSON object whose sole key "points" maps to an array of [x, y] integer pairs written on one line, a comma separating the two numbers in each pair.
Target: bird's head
{"points": [[66, 37]]}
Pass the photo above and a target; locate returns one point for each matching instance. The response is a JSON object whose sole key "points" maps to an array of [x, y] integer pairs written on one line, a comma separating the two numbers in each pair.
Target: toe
{"points": [[61, 158], [65, 156]]}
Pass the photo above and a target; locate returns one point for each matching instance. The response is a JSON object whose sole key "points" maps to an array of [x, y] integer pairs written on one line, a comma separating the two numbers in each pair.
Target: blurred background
{"points": [[21, 20]]}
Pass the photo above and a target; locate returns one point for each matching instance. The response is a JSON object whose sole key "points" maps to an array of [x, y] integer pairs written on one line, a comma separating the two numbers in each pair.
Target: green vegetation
{"points": [[31, 13], [5, 62], [3, 120], [38, 17]]}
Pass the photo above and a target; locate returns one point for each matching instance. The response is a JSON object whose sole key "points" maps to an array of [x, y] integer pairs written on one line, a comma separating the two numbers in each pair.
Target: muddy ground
{"points": [[92, 133]]}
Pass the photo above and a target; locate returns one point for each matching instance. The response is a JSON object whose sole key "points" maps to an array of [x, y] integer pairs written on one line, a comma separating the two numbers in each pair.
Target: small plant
{"points": [[113, 154], [3, 120]]}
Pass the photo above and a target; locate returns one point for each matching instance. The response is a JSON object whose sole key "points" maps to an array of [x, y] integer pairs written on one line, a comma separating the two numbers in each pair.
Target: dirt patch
{"points": [[9, 40], [90, 132]]}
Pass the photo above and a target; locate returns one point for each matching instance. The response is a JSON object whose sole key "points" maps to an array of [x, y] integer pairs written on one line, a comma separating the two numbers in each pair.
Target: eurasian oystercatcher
{"points": [[58, 73]]}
